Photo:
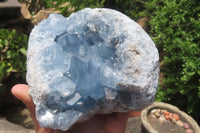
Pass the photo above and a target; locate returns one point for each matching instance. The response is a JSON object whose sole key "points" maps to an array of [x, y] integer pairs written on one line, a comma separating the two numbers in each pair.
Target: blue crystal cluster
{"points": [[94, 61]]}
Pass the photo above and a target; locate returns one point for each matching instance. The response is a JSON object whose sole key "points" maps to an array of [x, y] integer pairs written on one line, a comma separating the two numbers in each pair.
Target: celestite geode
{"points": [[95, 61]]}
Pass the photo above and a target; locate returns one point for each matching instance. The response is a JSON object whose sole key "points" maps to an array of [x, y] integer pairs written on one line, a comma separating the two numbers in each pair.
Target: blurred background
{"points": [[174, 26]]}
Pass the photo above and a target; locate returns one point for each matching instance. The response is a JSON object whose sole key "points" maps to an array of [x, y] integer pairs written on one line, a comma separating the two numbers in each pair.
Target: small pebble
{"points": [[153, 111], [162, 118], [188, 131], [180, 123], [173, 120], [186, 125], [176, 117], [166, 113], [170, 114], [153, 116], [157, 114], [167, 117], [163, 110]]}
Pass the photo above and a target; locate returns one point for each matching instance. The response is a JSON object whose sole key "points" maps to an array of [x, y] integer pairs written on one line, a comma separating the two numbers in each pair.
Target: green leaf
{"points": [[15, 45], [23, 51]]}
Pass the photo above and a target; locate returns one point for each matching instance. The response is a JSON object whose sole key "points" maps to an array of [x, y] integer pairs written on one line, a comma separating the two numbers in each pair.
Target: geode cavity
{"points": [[94, 61]]}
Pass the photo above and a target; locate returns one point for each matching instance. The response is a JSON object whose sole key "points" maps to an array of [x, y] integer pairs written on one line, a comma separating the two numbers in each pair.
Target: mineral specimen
{"points": [[95, 61]]}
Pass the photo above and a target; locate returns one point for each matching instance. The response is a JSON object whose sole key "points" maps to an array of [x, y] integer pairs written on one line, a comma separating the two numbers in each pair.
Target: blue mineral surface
{"points": [[95, 61]]}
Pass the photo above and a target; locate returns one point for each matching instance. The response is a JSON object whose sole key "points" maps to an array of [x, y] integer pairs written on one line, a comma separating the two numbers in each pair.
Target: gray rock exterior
{"points": [[94, 61]]}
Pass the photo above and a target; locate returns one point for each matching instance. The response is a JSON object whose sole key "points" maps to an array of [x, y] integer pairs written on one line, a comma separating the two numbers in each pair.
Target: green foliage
{"points": [[75, 5], [175, 30], [12, 52], [80, 4]]}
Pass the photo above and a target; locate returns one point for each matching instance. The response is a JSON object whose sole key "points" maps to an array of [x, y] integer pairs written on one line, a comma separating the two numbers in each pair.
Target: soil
{"points": [[165, 127]]}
